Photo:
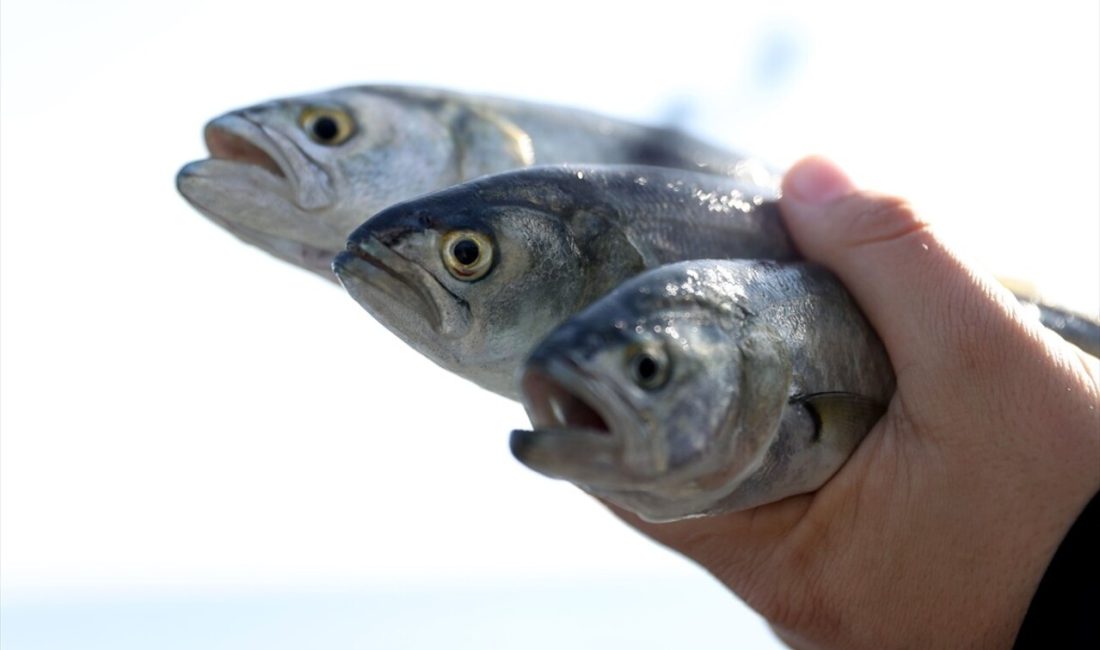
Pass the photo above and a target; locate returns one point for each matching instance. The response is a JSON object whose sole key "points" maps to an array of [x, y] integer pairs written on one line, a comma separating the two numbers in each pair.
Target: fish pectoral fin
{"points": [[488, 143], [841, 416]]}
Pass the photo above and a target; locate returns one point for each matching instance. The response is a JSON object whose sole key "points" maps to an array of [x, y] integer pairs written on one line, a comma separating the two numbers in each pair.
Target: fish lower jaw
{"points": [[225, 193], [562, 431], [653, 504], [575, 455], [300, 254]]}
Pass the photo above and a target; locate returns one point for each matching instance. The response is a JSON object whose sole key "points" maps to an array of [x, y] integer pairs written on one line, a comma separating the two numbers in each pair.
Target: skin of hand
{"points": [[936, 532]]}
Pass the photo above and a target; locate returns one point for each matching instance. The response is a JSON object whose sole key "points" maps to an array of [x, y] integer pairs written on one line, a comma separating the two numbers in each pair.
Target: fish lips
{"points": [[578, 432], [252, 148], [386, 284]]}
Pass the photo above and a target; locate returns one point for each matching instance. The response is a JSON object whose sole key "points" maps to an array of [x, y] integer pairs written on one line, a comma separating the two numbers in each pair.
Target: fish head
{"points": [[294, 176], [642, 398], [470, 278]]}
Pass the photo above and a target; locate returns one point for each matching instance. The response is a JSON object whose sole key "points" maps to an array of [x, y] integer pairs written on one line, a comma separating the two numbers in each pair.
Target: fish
{"points": [[1079, 329], [705, 387], [474, 276], [294, 176], [1082, 330]]}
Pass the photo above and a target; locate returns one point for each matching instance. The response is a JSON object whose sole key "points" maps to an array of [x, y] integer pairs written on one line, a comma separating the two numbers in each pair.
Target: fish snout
{"points": [[390, 226], [385, 236], [189, 171]]}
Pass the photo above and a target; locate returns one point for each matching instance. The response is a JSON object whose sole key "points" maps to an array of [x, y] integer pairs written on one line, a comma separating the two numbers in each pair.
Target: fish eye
{"points": [[468, 255], [327, 126], [649, 368]]}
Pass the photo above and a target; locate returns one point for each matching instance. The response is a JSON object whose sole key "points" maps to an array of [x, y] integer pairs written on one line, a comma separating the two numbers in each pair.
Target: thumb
{"points": [[929, 307]]}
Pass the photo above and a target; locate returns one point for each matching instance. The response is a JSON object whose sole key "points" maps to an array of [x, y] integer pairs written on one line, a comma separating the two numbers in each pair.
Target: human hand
{"points": [[938, 529]]}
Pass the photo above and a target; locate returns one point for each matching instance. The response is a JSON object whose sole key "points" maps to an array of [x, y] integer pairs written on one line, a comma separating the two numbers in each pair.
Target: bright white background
{"points": [[186, 420]]}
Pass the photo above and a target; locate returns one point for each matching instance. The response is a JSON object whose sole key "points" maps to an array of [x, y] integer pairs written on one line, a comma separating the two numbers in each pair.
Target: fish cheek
{"points": [[704, 389], [531, 290], [398, 151], [753, 419], [694, 418]]}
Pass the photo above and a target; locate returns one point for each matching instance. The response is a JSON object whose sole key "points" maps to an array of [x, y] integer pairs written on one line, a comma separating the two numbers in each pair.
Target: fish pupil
{"points": [[325, 128], [466, 251], [647, 368]]}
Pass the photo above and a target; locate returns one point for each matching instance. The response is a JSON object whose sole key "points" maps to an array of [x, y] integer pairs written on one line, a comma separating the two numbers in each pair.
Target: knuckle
{"points": [[877, 219]]}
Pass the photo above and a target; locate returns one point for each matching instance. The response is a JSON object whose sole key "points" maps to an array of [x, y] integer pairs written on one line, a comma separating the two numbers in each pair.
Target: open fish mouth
{"points": [[234, 138], [392, 288], [575, 434], [588, 434], [551, 405]]}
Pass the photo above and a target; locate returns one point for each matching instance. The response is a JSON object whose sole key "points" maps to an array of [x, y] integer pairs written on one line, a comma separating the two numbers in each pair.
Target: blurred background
{"points": [[203, 447]]}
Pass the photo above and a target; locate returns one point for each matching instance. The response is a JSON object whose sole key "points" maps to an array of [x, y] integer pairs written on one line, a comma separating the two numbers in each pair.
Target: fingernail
{"points": [[816, 180]]}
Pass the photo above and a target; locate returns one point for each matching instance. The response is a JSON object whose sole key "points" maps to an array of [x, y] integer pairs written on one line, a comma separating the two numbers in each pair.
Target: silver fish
{"points": [[294, 176], [705, 387], [474, 276]]}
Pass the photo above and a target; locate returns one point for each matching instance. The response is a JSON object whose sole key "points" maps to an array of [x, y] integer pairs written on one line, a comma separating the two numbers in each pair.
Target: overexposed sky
{"points": [[180, 409]]}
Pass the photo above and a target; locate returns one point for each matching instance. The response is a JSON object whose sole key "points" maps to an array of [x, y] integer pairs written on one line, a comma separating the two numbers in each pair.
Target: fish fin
{"points": [[840, 415], [488, 143]]}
